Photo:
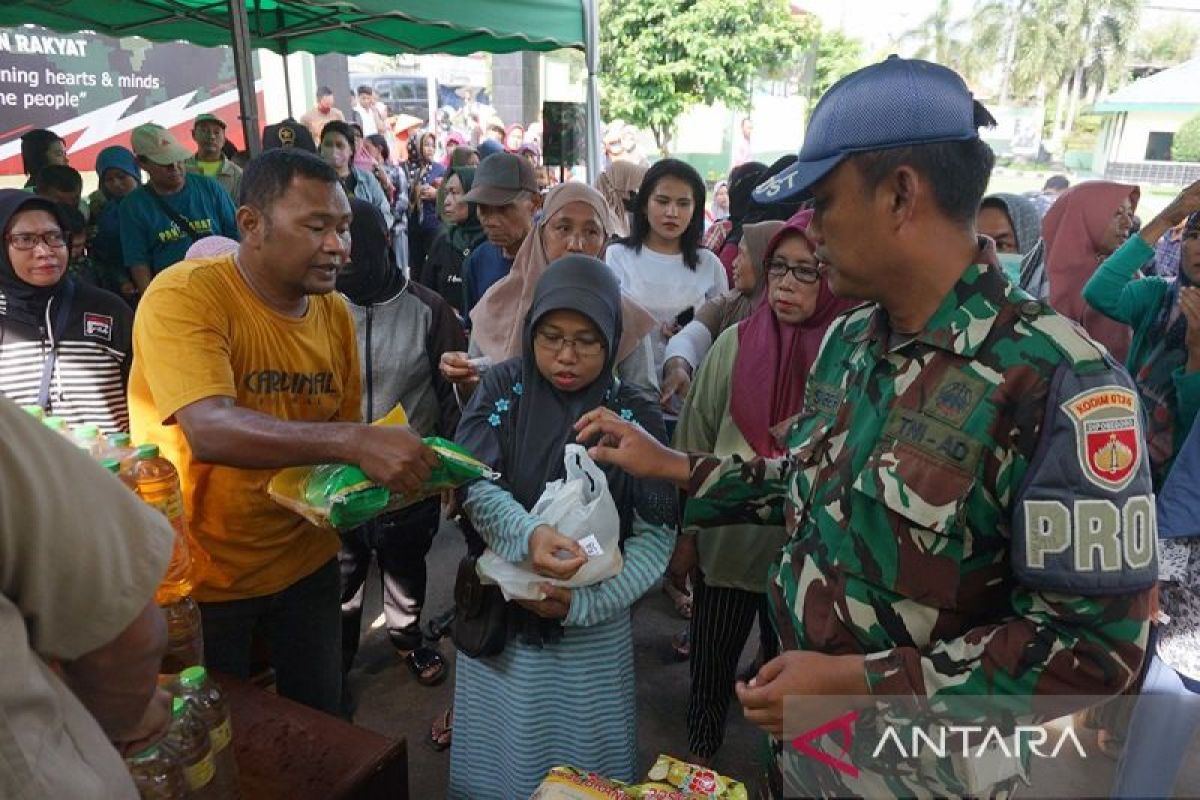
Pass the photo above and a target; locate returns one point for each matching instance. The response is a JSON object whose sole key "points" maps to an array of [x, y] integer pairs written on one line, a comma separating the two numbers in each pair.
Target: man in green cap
{"points": [[208, 131], [165, 216]]}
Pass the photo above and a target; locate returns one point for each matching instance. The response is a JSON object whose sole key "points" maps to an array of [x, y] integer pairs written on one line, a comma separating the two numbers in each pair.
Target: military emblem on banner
{"points": [[1109, 441]]}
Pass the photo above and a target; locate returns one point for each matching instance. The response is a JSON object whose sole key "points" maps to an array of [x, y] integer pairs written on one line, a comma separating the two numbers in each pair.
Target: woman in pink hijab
{"points": [[1086, 225]]}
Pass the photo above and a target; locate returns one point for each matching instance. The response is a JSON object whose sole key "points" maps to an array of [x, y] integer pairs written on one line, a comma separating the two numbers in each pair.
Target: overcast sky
{"points": [[879, 22]]}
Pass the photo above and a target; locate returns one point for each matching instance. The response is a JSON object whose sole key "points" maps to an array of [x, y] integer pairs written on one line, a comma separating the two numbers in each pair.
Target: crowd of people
{"points": [[912, 429]]}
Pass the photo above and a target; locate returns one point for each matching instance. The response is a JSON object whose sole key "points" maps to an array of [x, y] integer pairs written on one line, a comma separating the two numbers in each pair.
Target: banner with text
{"points": [[93, 90]]}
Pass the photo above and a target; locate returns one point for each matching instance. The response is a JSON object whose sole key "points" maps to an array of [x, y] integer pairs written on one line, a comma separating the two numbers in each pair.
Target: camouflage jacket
{"points": [[969, 508]]}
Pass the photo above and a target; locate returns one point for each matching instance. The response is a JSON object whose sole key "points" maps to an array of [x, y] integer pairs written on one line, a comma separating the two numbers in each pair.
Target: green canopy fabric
{"points": [[351, 27]]}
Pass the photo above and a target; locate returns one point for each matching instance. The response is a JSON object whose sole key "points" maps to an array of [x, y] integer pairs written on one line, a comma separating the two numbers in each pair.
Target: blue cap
{"points": [[896, 103]]}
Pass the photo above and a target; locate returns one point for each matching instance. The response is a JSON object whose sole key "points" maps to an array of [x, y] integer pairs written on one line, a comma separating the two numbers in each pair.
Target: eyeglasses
{"points": [[28, 241], [555, 342], [804, 273]]}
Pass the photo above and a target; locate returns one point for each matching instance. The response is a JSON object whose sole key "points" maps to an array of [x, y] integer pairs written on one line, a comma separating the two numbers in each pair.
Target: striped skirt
{"points": [[530, 709]]}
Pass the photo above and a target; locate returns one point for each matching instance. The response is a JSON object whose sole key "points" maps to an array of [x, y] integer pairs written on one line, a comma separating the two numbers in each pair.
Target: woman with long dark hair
{"points": [[41, 148], [661, 263]]}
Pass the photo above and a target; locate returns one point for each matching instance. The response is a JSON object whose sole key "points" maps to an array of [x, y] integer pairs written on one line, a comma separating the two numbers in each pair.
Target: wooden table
{"points": [[286, 751]]}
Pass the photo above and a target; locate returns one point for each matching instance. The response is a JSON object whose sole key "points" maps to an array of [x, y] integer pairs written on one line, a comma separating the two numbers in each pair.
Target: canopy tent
{"points": [[334, 26]]}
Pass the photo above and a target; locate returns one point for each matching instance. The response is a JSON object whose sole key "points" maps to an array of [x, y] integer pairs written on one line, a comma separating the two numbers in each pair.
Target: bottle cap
{"points": [[34, 411], [111, 464], [149, 752], [87, 432], [118, 439], [193, 678], [147, 451]]}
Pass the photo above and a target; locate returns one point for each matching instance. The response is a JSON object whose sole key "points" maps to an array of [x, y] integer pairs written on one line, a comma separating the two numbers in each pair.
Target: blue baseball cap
{"points": [[896, 103]]}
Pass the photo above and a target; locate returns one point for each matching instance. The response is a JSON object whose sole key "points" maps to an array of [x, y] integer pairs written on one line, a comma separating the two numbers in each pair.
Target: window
{"points": [[1158, 146]]}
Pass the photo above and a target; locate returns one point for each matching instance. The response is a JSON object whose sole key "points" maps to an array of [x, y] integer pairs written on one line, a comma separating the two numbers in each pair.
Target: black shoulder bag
{"points": [[480, 626]]}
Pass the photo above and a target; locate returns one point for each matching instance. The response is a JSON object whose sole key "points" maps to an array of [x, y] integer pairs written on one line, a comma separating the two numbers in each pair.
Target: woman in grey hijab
{"points": [[1012, 222]]}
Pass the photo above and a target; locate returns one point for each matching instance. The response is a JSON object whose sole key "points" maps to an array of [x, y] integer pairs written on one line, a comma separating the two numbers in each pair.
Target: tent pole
{"points": [[287, 77], [243, 65], [592, 53]]}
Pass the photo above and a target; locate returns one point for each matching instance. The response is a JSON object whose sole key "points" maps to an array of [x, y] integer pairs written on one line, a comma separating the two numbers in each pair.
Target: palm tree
{"points": [[1018, 38], [939, 36], [1048, 45], [1098, 33]]}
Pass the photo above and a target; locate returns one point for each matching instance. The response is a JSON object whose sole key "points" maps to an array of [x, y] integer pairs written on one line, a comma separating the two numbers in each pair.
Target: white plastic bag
{"points": [[579, 506]]}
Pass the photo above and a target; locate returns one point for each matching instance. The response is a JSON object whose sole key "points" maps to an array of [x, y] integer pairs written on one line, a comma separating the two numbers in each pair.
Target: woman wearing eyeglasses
{"points": [[562, 691], [64, 345], [749, 388]]}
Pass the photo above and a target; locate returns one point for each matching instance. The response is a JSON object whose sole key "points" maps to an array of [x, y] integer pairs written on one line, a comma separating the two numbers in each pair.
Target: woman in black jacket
{"points": [[64, 345], [461, 234]]}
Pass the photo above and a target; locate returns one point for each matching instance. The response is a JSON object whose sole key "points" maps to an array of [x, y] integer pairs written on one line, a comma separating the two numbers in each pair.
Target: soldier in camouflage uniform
{"points": [[967, 487]]}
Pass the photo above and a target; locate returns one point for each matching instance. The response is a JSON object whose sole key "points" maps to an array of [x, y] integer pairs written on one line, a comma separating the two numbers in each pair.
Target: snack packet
{"points": [[569, 783], [672, 779], [341, 496]]}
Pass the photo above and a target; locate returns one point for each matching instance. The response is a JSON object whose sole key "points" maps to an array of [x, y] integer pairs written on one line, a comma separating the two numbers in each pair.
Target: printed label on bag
{"points": [[591, 546], [220, 737]]}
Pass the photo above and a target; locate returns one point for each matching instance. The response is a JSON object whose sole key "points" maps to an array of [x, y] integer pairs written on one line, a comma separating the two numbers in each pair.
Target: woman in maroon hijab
{"points": [[749, 388]]}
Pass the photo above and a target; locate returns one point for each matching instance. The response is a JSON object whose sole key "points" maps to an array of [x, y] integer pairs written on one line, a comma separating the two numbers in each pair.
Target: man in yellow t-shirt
{"points": [[246, 364]]}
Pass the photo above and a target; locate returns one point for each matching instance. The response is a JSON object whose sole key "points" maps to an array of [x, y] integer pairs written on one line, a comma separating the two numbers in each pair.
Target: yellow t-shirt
{"points": [[210, 168], [201, 332]]}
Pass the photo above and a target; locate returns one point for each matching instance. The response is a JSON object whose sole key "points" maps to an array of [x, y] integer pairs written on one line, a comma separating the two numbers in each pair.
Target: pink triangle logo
{"points": [[843, 725]]}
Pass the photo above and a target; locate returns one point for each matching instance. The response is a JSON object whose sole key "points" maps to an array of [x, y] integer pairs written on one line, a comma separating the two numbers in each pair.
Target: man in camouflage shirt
{"points": [[967, 488]]}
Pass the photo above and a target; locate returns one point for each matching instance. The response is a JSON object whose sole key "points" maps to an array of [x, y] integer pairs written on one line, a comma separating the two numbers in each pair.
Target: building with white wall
{"points": [[1140, 123]]}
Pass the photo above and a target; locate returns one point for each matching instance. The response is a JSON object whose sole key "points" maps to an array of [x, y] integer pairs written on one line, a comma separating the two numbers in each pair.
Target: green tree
{"points": [[1186, 146], [837, 56], [940, 37], [1166, 45], [661, 57], [1099, 34], [1075, 48], [1020, 39]]}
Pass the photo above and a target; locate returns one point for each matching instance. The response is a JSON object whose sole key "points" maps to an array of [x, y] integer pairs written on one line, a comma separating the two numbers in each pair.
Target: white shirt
{"points": [[367, 116], [665, 285]]}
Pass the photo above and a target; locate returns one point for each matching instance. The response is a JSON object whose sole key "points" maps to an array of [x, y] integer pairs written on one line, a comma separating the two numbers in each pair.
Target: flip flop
{"points": [[421, 661], [442, 731]]}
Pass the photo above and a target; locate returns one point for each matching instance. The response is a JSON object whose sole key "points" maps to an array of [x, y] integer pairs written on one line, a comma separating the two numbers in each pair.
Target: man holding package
{"points": [[246, 364], [967, 488]]}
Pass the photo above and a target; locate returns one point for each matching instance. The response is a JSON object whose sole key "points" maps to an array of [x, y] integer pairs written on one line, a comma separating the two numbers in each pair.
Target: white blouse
{"points": [[665, 285]]}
